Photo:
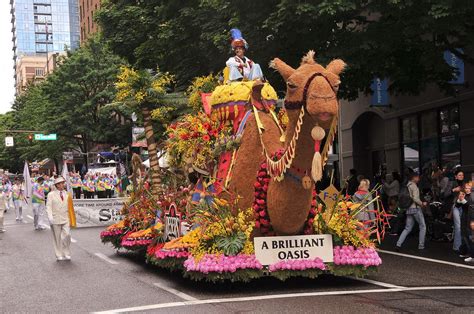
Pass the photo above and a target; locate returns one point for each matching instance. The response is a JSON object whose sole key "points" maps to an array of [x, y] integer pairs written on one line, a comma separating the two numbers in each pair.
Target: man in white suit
{"points": [[57, 209]]}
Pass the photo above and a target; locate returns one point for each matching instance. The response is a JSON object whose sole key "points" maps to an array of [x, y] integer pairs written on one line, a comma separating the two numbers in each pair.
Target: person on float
{"points": [[58, 215], [18, 196], [241, 67], [38, 199]]}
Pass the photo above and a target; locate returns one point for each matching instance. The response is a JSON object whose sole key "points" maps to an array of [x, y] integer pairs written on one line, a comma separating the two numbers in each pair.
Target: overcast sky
{"points": [[6, 58]]}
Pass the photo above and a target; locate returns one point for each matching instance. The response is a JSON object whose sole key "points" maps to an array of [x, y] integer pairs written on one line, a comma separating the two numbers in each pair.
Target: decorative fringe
{"points": [[317, 167]]}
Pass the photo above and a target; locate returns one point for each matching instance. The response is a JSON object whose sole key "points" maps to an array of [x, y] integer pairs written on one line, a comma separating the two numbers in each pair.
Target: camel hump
{"points": [[237, 92]]}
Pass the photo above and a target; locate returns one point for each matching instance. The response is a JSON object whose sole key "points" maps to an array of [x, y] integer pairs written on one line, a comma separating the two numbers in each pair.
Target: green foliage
{"points": [[402, 40], [240, 275], [286, 274], [231, 245]]}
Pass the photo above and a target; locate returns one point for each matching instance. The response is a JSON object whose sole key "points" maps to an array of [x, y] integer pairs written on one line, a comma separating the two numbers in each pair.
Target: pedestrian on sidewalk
{"points": [[3, 206], [414, 213], [57, 209], [18, 196]]}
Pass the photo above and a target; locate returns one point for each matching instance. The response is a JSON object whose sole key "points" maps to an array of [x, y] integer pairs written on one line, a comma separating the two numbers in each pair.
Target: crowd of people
{"points": [[90, 186], [440, 202]]}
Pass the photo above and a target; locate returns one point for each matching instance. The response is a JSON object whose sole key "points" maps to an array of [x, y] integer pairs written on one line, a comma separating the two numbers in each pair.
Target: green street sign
{"points": [[46, 137]]}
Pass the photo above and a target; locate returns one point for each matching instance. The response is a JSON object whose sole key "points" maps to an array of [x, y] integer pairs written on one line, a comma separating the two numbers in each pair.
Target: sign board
{"points": [[271, 250], [172, 221], [329, 195], [46, 137], [9, 141], [98, 212], [379, 89], [457, 64], [138, 137]]}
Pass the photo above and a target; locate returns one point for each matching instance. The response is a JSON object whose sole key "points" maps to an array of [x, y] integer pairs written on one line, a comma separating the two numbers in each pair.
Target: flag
{"points": [[27, 178], [65, 175]]}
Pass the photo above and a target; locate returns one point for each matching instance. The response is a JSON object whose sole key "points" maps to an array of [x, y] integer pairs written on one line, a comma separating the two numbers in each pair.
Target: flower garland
{"points": [[222, 263], [316, 263]]}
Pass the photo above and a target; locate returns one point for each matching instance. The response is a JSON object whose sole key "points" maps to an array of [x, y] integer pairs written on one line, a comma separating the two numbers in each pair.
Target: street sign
{"points": [[457, 64], [9, 141], [379, 89], [46, 137]]}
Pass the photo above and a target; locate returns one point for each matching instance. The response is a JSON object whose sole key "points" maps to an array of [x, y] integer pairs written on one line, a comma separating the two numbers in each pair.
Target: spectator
{"points": [[414, 213], [352, 182], [3, 204], [456, 209], [467, 212], [363, 196], [391, 187]]}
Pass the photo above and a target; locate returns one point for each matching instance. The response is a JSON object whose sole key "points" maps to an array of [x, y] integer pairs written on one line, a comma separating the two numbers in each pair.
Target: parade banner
{"points": [[97, 212], [271, 250]]}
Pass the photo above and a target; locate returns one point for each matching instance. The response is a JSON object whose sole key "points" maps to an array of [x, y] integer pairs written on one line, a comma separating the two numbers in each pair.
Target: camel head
{"points": [[321, 85]]}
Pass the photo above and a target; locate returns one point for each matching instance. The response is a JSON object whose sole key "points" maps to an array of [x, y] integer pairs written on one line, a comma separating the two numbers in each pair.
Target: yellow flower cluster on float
{"points": [[201, 84]]}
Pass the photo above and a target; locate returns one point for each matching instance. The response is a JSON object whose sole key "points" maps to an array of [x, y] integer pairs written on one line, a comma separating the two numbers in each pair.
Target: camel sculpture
{"points": [[311, 100]]}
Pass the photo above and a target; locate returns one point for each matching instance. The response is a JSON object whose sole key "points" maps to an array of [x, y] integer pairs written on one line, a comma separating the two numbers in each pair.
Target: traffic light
{"points": [[30, 138]]}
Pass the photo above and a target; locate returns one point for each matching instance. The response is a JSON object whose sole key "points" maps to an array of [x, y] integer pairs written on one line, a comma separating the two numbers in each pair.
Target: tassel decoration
{"points": [[317, 133]]}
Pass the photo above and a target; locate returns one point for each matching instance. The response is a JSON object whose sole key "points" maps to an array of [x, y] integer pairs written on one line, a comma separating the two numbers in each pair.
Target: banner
{"points": [[98, 212], [271, 250], [457, 64], [379, 89]]}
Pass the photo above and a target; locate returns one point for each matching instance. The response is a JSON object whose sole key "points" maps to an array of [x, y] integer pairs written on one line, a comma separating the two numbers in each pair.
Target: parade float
{"points": [[252, 208]]}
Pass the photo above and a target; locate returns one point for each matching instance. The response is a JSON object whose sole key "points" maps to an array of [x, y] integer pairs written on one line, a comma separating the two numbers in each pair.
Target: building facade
{"points": [[32, 69], [41, 27], [412, 132], [87, 9]]}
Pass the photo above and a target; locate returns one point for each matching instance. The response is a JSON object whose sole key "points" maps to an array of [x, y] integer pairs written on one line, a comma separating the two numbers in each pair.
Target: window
{"points": [[39, 72], [431, 138]]}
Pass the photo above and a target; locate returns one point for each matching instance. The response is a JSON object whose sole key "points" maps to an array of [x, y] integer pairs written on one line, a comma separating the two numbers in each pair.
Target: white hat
{"points": [[59, 180]]}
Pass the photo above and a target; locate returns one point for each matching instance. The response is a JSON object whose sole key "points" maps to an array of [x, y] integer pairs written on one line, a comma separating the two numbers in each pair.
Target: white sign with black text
{"points": [[271, 250], [97, 212]]}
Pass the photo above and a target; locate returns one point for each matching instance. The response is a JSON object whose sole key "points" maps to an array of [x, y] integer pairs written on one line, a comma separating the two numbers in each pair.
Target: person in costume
{"points": [[241, 67], [108, 184], [17, 196], [100, 186], [76, 184], [38, 199], [58, 215]]}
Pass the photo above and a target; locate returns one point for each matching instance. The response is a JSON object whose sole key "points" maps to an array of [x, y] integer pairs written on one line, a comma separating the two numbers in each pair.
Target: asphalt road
{"points": [[99, 279]]}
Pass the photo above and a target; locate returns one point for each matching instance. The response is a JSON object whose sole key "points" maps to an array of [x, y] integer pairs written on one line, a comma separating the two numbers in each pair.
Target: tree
{"points": [[77, 93], [402, 40], [143, 91]]}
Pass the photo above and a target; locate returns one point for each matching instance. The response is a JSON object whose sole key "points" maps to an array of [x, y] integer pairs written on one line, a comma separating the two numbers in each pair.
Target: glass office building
{"points": [[44, 26]]}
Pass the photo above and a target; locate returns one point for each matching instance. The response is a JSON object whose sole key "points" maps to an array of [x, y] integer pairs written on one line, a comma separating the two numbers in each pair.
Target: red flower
{"points": [[206, 137], [207, 126], [184, 136]]}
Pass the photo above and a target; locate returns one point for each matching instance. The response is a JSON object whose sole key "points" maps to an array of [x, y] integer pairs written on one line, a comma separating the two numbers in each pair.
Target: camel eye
{"points": [[291, 85]]}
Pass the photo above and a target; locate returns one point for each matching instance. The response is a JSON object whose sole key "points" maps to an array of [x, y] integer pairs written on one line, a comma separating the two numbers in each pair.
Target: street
{"points": [[97, 279]]}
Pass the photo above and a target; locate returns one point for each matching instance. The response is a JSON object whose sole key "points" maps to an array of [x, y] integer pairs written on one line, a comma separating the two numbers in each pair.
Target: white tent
{"points": [[163, 161]]}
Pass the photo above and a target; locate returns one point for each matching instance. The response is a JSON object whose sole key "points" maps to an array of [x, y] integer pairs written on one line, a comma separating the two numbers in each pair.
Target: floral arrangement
{"points": [[224, 229], [201, 84], [142, 238], [316, 263], [222, 263], [114, 233], [349, 255], [226, 143], [192, 139]]}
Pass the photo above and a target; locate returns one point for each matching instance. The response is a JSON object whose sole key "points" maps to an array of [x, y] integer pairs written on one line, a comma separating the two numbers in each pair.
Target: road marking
{"points": [[281, 296], [178, 293], [427, 259], [105, 258], [31, 217], [377, 283], [73, 240]]}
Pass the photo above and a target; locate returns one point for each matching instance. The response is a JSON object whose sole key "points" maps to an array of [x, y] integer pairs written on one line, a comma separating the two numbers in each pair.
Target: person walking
{"points": [[414, 213], [58, 215], [3, 206], [18, 196], [38, 197], [456, 187]]}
